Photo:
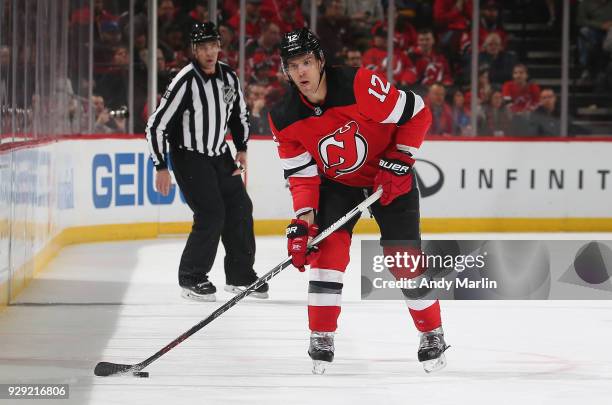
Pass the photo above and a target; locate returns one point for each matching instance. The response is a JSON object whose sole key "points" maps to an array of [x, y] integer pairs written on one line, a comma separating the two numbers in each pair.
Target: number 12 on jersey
{"points": [[384, 86]]}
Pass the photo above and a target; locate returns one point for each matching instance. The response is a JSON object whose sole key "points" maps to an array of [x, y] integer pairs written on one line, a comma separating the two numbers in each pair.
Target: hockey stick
{"points": [[104, 369]]}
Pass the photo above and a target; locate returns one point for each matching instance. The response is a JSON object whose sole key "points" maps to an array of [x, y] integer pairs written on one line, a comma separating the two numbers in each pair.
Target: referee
{"points": [[201, 102]]}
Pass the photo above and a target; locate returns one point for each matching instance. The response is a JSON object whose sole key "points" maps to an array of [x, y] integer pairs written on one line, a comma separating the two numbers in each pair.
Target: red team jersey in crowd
{"points": [[522, 99], [431, 68], [403, 69], [343, 138]]}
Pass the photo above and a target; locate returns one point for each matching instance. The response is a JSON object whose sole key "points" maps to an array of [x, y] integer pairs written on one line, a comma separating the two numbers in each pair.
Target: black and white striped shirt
{"points": [[196, 111]]}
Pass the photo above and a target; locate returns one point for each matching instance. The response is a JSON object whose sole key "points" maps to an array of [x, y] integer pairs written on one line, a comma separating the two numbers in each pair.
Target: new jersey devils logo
{"points": [[343, 151]]}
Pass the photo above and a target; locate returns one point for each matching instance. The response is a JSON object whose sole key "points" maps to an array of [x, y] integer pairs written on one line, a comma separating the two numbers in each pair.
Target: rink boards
{"points": [[94, 188]]}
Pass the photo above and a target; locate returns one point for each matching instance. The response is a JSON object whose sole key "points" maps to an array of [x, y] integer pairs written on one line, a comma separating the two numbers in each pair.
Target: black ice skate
{"points": [[204, 291], [431, 350], [261, 292], [321, 350]]}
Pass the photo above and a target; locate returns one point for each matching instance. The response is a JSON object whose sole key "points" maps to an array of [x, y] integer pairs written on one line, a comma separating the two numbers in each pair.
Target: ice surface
{"points": [[119, 302]]}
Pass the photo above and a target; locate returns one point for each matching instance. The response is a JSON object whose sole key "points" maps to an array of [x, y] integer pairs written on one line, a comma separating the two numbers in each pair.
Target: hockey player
{"points": [[341, 133]]}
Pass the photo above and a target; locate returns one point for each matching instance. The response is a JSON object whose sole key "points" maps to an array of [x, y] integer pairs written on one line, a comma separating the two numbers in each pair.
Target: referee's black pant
{"points": [[221, 209]]}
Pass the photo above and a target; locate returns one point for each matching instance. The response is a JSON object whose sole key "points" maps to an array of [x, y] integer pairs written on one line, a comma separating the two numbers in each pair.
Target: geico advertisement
{"points": [[456, 179], [119, 185], [127, 179]]}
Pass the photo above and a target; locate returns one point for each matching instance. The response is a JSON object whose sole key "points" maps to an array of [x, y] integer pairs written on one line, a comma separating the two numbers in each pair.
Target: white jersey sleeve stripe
{"points": [[296, 161], [396, 114], [405, 148], [419, 104]]}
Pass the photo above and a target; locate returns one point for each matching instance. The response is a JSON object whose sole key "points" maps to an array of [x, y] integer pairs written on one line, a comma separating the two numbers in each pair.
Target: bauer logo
{"points": [[127, 179], [429, 177]]}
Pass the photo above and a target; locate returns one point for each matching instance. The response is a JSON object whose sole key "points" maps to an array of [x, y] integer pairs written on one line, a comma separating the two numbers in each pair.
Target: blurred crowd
{"points": [[432, 56]]}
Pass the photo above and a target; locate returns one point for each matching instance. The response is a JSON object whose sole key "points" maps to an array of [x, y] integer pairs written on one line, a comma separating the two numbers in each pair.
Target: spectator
{"points": [[113, 84], [364, 12], [229, 51], [110, 39], [263, 56], [594, 21], [305, 7], [166, 16], [431, 67], [494, 119], [101, 14], [173, 45], [110, 33], [375, 59], [546, 119], [256, 102], [104, 122], [333, 29], [253, 19], [285, 13], [140, 41], [139, 20], [353, 58], [405, 33], [452, 18], [164, 74], [198, 14], [461, 115], [442, 116], [499, 61], [484, 87], [522, 95], [552, 13], [490, 23]]}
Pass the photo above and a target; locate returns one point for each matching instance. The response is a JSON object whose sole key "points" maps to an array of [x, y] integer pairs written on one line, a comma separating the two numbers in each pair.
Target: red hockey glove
{"points": [[298, 233], [394, 176]]}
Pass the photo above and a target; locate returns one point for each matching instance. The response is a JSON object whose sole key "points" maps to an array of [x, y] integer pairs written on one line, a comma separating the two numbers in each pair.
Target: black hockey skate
{"points": [[261, 292], [431, 350], [203, 291], [321, 350]]}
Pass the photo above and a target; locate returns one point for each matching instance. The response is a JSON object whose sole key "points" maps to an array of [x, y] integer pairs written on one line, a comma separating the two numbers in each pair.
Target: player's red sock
{"points": [[325, 286], [425, 318]]}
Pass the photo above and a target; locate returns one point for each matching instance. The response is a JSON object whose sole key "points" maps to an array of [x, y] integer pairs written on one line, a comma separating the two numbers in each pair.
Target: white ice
{"points": [[119, 302]]}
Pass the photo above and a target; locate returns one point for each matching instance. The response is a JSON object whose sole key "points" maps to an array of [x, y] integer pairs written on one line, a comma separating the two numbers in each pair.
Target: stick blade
{"points": [[104, 369]]}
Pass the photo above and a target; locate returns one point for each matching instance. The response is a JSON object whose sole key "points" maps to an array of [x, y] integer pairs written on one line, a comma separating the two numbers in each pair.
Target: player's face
{"points": [[207, 53], [305, 70]]}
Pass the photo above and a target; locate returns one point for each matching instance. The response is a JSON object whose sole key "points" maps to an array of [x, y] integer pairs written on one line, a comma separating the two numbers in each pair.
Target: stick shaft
{"points": [[256, 284]]}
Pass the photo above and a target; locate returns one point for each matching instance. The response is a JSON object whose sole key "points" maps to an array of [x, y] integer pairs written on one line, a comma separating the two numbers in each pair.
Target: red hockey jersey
{"points": [[343, 138], [522, 98]]}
